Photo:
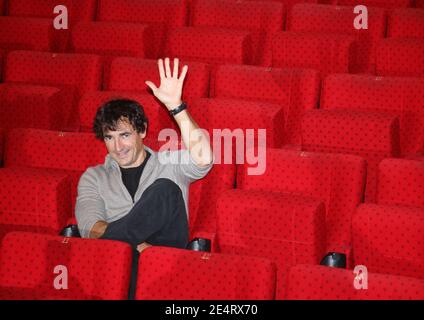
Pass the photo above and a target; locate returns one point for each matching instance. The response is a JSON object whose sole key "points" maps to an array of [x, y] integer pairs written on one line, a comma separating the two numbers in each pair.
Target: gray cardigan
{"points": [[103, 196]]}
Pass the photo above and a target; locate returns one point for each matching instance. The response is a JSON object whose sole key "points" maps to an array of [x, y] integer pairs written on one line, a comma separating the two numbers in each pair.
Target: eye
{"points": [[126, 135], [107, 138]]}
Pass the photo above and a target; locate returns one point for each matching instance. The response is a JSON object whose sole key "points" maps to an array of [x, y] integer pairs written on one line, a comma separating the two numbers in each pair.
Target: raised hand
{"points": [[171, 86]]}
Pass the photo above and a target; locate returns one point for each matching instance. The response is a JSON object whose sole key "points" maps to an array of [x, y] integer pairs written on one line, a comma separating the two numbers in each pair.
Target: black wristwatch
{"points": [[178, 109]]}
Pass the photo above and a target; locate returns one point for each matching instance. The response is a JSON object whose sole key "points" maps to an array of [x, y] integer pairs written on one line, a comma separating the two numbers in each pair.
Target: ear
{"points": [[143, 134]]}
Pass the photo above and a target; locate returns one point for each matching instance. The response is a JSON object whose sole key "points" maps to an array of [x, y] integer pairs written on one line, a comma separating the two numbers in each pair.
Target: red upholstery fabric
{"points": [[204, 195], [78, 10], [406, 23], [30, 106], [222, 113], [214, 46], [399, 96], [308, 282], [2, 6], [96, 269], [389, 239], [400, 57], [261, 19], [419, 3], [34, 198], [18, 33], [130, 74], [76, 72], [81, 71], [401, 182], [339, 20], [2, 58], [295, 90], [2, 138], [207, 276], [371, 135], [110, 38], [66, 151], [336, 180], [156, 113], [161, 15], [389, 4], [290, 3], [287, 229], [326, 53]]}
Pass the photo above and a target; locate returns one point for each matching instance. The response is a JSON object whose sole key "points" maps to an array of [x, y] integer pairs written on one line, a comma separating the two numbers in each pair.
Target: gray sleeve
{"points": [[90, 207], [184, 166], [189, 169]]}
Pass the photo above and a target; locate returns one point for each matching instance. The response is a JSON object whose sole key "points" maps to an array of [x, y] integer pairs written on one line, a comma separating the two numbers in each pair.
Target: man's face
{"points": [[125, 145]]}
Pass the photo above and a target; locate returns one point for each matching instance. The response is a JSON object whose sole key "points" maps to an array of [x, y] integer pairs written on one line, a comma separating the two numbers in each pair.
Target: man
{"points": [[137, 195]]}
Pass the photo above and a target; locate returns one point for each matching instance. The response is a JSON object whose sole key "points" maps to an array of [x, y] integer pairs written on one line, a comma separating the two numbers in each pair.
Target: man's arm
{"points": [[98, 229], [170, 93]]}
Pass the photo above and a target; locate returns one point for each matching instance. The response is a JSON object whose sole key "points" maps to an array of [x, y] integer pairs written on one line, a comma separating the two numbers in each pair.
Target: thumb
{"points": [[151, 85]]}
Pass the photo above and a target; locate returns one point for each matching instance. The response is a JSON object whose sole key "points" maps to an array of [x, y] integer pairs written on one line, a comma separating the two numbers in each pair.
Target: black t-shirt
{"points": [[131, 176]]}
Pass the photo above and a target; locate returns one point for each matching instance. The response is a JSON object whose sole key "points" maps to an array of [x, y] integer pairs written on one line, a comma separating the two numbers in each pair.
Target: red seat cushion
{"points": [[209, 276], [371, 135], [95, 269], [326, 53], [285, 228], [295, 90], [401, 182], [406, 23], [329, 19], [399, 96], [261, 19], [334, 179], [389, 239], [309, 282], [400, 57]]}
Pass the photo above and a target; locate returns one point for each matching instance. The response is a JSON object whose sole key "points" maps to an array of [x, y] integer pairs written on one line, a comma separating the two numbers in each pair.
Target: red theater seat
{"points": [[406, 23], [394, 95], [333, 179], [77, 72], [161, 15], [130, 74], [31, 106], [261, 19], [327, 53], [400, 57], [308, 282], [78, 10], [18, 33], [69, 152], [209, 276], [34, 200], [224, 113], [328, 19], [401, 182], [371, 135], [287, 229], [31, 264], [389, 4], [389, 239], [295, 90], [213, 46]]}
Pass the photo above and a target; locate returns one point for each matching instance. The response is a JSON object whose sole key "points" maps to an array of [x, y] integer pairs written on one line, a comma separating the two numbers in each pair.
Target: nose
{"points": [[118, 145]]}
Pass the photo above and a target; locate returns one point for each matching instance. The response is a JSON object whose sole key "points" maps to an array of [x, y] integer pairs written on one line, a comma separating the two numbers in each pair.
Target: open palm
{"points": [[171, 86]]}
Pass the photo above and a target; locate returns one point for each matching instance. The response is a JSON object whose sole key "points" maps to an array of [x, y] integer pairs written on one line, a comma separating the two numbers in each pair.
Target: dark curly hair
{"points": [[110, 113]]}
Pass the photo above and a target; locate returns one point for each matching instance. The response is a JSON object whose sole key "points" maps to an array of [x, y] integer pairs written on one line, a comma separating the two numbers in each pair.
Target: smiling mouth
{"points": [[122, 154]]}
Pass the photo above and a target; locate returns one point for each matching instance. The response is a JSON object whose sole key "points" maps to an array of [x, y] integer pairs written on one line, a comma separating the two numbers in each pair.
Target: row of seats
{"points": [[63, 85], [316, 196], [225, 32]]}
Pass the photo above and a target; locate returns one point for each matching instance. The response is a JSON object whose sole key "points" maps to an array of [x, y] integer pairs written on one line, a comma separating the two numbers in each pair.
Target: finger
{"points": [[151, 85], [176, 66], [183, 73], [161, 71], [167, 68]]}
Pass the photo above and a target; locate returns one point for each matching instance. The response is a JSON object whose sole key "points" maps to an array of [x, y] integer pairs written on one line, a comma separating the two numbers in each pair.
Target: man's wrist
{"points": [[178, 109]]}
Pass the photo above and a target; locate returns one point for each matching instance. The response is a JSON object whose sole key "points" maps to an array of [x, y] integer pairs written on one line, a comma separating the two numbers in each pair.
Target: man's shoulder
{"points": [[94, 171]]}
